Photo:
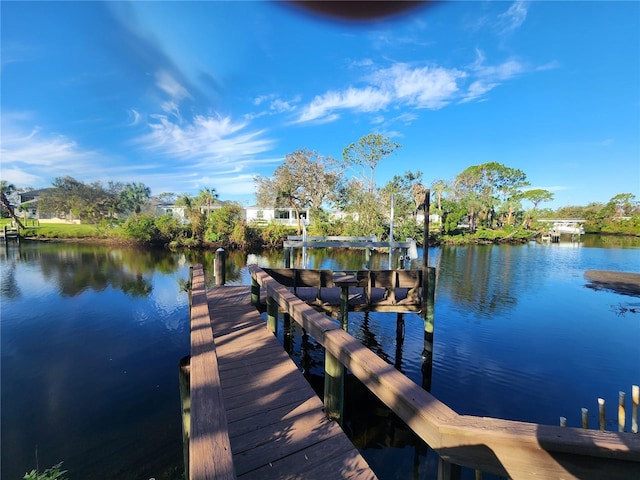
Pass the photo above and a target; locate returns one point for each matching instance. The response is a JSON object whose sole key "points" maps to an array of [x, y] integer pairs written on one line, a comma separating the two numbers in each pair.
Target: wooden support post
{"points": [[219, 267], [185, 400], [286, 327], [189, 292], [287, 257], [272, 315], [399, 340], [255, 293], [333, 387], [621, 413], [430, 294], [601, 413], [425, 248], [428, 316], [635, 397], [448, 471], [367, 258], [344, 308], [585, 418]]}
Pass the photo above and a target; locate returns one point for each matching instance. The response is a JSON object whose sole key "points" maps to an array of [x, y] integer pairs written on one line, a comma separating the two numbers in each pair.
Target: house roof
{"points": [[33, 194]]}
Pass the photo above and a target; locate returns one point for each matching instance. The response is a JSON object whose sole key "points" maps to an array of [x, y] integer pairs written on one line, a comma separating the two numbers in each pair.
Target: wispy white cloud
{"points": [[514, 17], [368, 99], [170, 86], [215, 140], [425, 87], [273, 105], [39, 149], [401, 85], [20, 177], [487, 77], [33, 157], [134, 117]]}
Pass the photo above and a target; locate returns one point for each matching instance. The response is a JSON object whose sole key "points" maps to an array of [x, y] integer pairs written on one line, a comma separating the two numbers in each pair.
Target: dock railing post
{"points": [[425, 248], [635, 397], [255, 293], [219, 267], [428, 316], [621, 413], [272, 315], [286, 327], [185, 400], [190, 287], [333, 387]]}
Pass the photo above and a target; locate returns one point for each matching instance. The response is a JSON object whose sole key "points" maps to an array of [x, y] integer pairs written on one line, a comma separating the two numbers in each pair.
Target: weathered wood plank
{"points": [[272, 411], [290, 408], [507, 448], [419, 409], [264, 404], [258, 448], [209, 445], [330, 458]]}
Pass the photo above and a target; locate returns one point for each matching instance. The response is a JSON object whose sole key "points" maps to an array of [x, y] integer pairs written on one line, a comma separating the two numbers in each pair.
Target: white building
{"points": [[284, 216]]}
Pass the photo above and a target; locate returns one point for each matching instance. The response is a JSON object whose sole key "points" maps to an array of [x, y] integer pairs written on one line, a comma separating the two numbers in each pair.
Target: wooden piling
{"points": [[219, 267], [425, 248], [190, 287], [286, 334], [635, 397], [448, 470], [601, 413], [428, 316], [272, 315], [255, 293], [621, 412], [585, 418], [184, 372], [333, 387]]}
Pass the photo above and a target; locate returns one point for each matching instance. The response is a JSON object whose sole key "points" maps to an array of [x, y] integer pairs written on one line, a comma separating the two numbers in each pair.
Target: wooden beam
{"points": [[508, 448], [209, 447]]}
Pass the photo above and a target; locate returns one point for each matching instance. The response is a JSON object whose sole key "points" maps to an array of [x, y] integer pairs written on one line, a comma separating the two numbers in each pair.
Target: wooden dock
{"points": [[9, 233], [253, 415], [244, 383]]}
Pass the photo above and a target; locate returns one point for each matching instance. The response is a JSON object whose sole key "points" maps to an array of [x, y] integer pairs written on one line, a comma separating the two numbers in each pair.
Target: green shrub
{"points": [[168, 227], [53, 473], [222, 223], [141, 228], [274, 234]]}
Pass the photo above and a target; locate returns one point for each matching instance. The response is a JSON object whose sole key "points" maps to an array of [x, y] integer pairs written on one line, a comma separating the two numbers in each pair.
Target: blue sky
{"points": [[182, 96]]}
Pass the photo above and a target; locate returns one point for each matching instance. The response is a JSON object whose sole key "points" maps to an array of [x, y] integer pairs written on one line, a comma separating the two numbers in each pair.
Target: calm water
{"points": [[91, 338]]}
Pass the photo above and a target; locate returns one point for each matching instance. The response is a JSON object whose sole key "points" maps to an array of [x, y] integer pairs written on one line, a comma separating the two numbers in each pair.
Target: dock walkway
{"points": [[276, 423]]}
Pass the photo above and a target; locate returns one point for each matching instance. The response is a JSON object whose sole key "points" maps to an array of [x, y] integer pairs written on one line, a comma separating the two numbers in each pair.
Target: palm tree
{"points": [[8, 189], [207, 196], [134, 196]]}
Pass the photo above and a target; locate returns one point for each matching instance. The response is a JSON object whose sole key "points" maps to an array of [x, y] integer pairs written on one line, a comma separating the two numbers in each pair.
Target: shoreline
{"points": [[625, 283]]}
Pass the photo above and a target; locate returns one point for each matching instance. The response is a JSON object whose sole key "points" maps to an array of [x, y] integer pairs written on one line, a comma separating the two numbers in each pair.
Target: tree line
{"points": [[488, 201]]}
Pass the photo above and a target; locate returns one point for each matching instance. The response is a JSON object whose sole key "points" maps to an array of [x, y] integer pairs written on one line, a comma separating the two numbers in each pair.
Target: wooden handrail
{"points": [[209, 446], [503, 447]]}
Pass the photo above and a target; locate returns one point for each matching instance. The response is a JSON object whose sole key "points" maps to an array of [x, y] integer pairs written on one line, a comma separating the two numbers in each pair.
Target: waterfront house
{"points": [[285, 216]]}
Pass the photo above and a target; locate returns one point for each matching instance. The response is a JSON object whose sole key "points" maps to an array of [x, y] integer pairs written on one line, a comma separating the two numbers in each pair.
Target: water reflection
{"points": [[89, 357], [75, 269]]}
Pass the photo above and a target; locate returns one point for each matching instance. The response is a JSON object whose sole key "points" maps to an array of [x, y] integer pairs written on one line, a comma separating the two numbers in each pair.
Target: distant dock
{"points": [[9, 233]]}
